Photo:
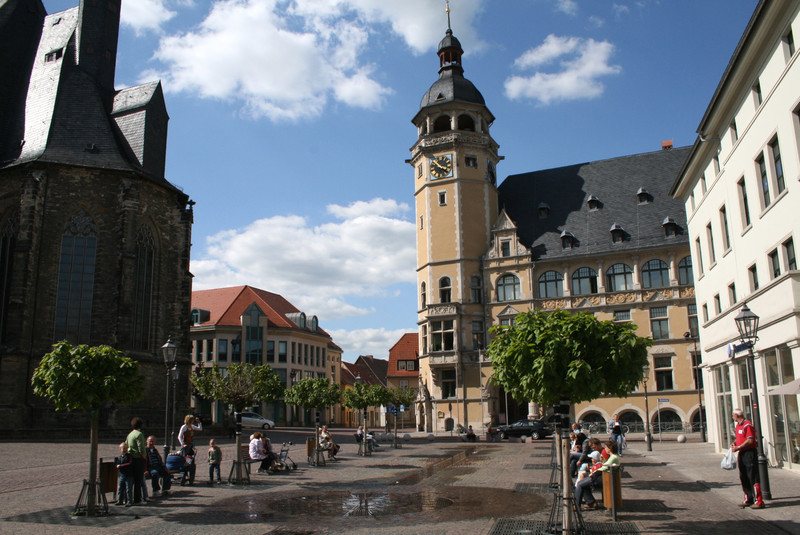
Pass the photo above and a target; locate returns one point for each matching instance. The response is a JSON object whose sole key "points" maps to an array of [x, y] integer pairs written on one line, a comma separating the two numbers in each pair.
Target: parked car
{"points": [[204, 419], [253, 419], [535, 429]]}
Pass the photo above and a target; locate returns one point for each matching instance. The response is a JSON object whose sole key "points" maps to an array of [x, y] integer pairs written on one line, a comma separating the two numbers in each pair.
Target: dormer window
{"points": [[617, 233], [543, 210], [568, 241], [593, 203], [670, 227], [54, 55], [643, 196]]}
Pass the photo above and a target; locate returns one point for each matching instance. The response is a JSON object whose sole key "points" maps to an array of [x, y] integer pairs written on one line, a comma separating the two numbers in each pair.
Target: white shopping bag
{"points": [[729, 461]]}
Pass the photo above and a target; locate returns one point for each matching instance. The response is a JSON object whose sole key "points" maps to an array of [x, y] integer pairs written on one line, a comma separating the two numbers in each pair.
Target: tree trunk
{"points": [[91, 497]]}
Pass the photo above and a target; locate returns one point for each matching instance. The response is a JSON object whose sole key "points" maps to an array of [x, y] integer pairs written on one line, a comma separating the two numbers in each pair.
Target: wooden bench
{"points": [[246, 462]]}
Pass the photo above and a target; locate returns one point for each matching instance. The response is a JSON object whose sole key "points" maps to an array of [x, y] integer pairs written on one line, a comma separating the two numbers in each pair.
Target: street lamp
{"points": [[647, 436], [293, 376], [169, 351], [364, 452], [747, 324], [697, 374]]}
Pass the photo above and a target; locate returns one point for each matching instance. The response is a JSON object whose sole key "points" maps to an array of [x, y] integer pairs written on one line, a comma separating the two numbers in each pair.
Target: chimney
{"points": [[666, 145]]}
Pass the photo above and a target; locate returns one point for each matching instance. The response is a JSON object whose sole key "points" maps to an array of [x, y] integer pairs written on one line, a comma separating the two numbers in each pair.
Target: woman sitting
{"points": [[258, 451], [326, 442]]}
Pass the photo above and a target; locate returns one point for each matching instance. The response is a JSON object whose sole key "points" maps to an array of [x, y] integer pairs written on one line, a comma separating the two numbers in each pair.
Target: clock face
{"points": [[441, 166]]}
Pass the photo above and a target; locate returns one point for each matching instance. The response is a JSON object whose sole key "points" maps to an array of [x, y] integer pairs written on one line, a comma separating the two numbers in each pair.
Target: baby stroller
{"points": [[284, 461]]}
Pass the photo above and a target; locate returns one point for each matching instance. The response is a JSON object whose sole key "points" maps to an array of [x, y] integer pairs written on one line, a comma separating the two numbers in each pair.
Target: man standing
{"points": [[745, 444], [136, 447]]}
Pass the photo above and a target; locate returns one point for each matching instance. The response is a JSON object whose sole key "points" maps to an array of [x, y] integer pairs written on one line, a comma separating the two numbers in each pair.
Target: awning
{"points": [[788, 389]]}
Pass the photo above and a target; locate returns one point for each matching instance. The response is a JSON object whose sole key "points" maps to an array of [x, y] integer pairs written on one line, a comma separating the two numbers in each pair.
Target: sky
{"points": [[290, 122]]}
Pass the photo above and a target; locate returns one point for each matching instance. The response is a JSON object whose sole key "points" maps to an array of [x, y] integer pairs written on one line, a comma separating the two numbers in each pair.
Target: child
{"points": [[125, 466], [214, 460], [591, 459]]}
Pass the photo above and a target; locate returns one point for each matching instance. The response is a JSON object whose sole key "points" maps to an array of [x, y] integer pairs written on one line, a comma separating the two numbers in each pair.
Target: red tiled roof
{"points": [[226, 306], [407, 348]]}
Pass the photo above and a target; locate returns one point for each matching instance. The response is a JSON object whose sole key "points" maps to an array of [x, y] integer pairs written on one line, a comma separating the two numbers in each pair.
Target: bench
{"points": [[246, 462]]}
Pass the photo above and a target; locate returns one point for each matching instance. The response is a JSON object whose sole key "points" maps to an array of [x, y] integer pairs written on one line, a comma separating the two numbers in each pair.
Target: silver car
{"points": [[255, 420]]}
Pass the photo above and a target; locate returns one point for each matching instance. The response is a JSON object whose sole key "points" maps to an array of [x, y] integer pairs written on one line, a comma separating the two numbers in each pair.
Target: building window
{"points": [[475, 289], [403, 383], [424, 338], [270, 351], [423, 297], [419, 170], [788, 253], [584, 281], [723, 222], [757, 94], [717, 304], [762, 173], [444, 290], [551, 284], [619, 277], [594, 203], [752, 272], [703, 185], [734, 132], [697, 360], [143, 291], [732, 293], [236, 349], [471, 161], [715, 161], [544, 210], [508, 288], [705, 312], [663, 369], [442, 335], [691, 312], [505, 248], [421, 223], [788, 43], [448, 384], [777, 165], [698, 249], [617, 234], [655, 274], [774, 264], [685, 273], [222, 350], [210, 350], [401, 365], [622, 315], [282, 351], [743, 205], [442, 198], [8, 242], [659, 323], [477, 335], [305, 354], [75, 293], [198, 351], [712, 255]]}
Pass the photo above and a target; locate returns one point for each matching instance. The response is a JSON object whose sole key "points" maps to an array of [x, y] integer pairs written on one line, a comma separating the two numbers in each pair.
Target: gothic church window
{"points": [[75, 293], [7, 242], [143, 291]]}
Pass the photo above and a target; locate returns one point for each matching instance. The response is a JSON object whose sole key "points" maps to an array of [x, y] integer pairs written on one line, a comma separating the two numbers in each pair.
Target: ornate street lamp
{"points": [[169, 351], [647, 436], [697, 375], [747, 324]]}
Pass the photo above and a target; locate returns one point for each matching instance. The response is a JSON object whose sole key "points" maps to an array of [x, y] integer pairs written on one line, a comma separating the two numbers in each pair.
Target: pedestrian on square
{"points": [[186, 435], [159, 474], [745, 445], [137, 450], [615, 426], [125, 468], [214, 460]]}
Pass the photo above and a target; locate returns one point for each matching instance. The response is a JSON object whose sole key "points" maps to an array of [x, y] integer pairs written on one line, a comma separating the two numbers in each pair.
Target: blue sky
{"points": [[290, 122]]}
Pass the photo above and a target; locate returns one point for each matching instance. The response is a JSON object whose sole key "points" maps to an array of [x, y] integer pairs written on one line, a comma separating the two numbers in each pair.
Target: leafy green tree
{"points": [[547, 357], [400, 397], [363, 396], [86, 378], [313, 393]]}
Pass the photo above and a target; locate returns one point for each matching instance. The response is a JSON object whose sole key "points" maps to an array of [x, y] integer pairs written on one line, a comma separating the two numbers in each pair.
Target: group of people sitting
{"points": [[588, 459], [371, 442], [327, 443], [261, 449]]}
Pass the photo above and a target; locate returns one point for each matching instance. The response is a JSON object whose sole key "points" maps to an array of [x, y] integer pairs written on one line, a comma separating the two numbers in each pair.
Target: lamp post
{"points": [[169, 351], [292, 376], [647, 436], [697, 374], [359, 381], [747, 324]]}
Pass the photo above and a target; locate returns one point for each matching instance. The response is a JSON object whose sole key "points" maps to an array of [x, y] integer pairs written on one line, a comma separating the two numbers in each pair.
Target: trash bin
{"points": [[609, 476], [311, 444]]}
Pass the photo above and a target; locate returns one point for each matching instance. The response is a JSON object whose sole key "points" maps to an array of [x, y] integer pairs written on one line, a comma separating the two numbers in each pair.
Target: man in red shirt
{"points": [[745, 444]]}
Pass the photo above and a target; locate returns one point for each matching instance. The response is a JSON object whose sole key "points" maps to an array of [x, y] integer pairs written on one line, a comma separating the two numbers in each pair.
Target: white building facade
{"points": [[741, 187]]}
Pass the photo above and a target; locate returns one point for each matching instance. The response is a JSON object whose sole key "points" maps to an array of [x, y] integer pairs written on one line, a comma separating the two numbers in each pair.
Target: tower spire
{"points": [[447, 10]]}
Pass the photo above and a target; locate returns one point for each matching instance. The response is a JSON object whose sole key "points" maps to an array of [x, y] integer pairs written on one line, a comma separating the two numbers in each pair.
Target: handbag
{"points": [[729, 461]]}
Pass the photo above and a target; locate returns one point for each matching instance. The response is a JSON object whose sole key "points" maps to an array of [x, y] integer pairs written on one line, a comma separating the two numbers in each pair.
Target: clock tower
{"points": [[456, 202]]}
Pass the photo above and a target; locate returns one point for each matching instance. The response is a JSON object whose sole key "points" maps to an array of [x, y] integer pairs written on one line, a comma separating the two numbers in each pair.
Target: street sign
{"points": [[663, 400], [402, 408]]}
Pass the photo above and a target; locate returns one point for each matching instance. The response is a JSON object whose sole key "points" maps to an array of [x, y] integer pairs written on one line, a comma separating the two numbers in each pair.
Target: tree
{"points": [[313, 393], [547, 357], [86, 378], [363, 396], [240, 385], [400, 397]]}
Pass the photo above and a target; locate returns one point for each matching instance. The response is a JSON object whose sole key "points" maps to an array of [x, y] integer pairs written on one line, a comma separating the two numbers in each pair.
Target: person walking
{"points": [[745, 445], [615, 426], [137, 450]]}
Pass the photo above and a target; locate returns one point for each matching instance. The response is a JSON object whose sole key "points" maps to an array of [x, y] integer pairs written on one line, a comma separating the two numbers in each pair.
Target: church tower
{"points": [[456, 201]]}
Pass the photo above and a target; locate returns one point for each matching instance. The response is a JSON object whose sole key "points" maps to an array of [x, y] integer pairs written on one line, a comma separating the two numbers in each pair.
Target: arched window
{"points": [[655, 274], [423, 296], [465, 122], [508, 288], [584, 281], [551, 284], [476, 289], [8, 241], [444, 290], [75, 294], [685, 273], [619, 277], [442, 124], [143, 292]]}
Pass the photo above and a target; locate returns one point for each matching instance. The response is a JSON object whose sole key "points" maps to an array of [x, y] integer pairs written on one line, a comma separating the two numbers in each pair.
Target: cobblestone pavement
{"points": [[492, 489]]}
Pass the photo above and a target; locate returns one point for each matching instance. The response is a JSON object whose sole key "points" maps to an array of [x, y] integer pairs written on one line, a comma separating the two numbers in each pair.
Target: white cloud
{"points": [[582, 63], [286, 59], [620, 10], [145, 15], [376, 342], [570, 7], [318, 268]]}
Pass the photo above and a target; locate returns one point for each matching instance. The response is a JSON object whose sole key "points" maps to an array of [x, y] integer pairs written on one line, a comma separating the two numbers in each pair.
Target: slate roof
{"points": [[226, 306], [615, 183], [407, 348], [451, 85]]}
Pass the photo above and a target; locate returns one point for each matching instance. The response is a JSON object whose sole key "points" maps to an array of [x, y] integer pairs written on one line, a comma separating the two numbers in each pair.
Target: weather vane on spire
{"points": [[447, 10]]}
